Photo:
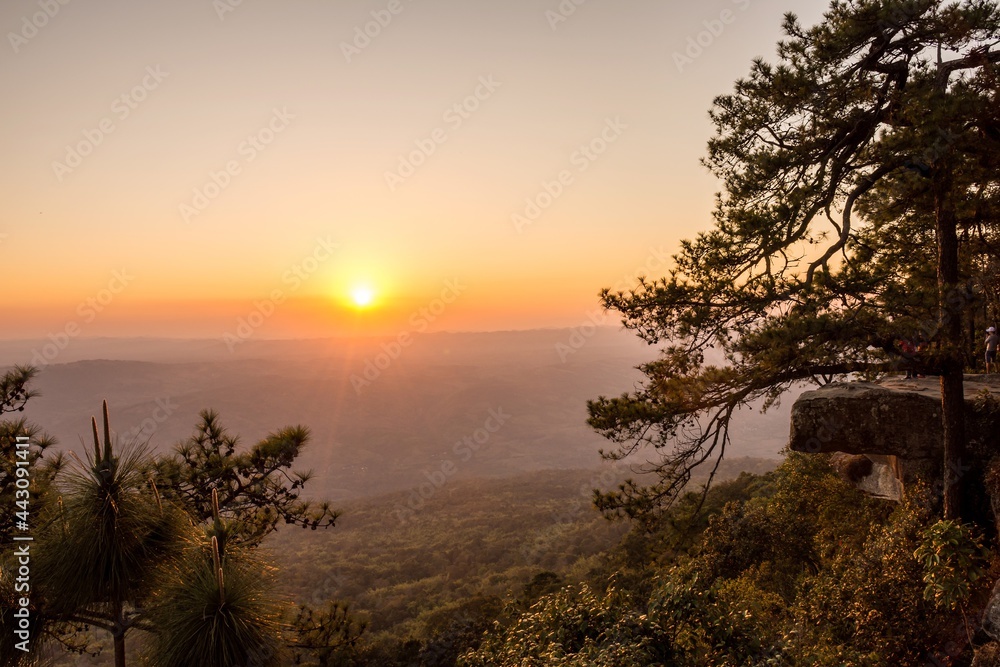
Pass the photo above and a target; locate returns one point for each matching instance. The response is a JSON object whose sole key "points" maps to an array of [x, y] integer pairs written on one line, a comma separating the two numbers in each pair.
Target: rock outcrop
{"points": [[865, 418], [888, 435]]}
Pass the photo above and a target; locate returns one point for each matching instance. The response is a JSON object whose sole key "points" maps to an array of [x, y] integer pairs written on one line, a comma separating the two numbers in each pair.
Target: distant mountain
{"points": [[385, 414]]}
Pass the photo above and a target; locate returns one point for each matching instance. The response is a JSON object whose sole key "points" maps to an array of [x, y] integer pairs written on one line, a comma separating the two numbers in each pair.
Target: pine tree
{"points": [[165, 549], [102, 545], [884, 97]]}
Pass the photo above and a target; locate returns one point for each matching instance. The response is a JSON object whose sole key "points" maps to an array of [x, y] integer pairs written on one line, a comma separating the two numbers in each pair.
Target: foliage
{"points": [[257, 488], [793, 567], [789, 567], [575, 627], [866, 606], [216, 606], [99, 544], [14, 391], [330, 635], [729, 622], [122, 545], [863, 134], [431, 584], [455, 628], [736, 599], [953, 560]]}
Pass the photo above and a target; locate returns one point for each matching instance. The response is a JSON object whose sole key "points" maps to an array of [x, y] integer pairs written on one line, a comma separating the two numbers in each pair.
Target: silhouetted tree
{"points": [[100, 547], [330, 635], [885, 98], [257, 488], [125, 543]]}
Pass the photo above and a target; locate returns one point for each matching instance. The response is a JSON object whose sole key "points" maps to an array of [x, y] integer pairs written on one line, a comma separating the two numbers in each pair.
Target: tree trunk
{"points": [[953, 421], [951, 299], [118, 633], [120, 649], [970, 341]]}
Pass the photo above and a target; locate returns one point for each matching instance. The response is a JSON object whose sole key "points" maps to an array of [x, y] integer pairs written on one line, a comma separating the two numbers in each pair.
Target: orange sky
{"points": [[202, 167]]}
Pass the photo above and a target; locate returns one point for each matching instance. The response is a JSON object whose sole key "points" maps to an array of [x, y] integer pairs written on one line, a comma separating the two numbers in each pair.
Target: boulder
{"points": [[895, 417], [865, 418], [891, 430]]}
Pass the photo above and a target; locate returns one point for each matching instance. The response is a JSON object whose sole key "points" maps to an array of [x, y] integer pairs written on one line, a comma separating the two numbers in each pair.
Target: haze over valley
{"points": [[385, 431]]}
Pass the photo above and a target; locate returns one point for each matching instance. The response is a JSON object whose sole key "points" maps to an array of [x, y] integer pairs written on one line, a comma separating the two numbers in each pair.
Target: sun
{"points": [[362, 296]]}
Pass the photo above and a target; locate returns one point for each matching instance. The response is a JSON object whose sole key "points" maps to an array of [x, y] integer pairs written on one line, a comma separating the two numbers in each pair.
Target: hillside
{"points": [[475, 540]]}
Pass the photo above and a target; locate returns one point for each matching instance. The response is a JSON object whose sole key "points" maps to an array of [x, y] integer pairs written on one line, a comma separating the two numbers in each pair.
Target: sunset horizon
{"points": [[246, 161]]}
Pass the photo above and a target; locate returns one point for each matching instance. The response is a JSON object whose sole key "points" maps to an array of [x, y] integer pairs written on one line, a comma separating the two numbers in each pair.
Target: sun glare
{"points": [[362, 296]]}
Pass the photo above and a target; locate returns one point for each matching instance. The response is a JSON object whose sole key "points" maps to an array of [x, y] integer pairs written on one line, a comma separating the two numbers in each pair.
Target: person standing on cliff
{"points": [[908, 349], [991, 348]]}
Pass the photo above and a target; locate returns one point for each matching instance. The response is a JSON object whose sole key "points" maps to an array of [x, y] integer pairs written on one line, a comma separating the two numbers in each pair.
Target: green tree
{"points": [[723, 622], [329, 636], [884, 100], [954, 559], [866, 606], [100, 547], [257, 487], [216, 605], [124, 544]]}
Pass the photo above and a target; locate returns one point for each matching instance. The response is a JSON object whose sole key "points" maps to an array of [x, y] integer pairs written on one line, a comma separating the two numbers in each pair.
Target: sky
{"points": [[262, 169]]}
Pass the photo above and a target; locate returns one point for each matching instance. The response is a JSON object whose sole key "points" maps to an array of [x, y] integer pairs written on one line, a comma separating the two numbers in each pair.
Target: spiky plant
{"points": [[101, 546], [216, 607]]}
